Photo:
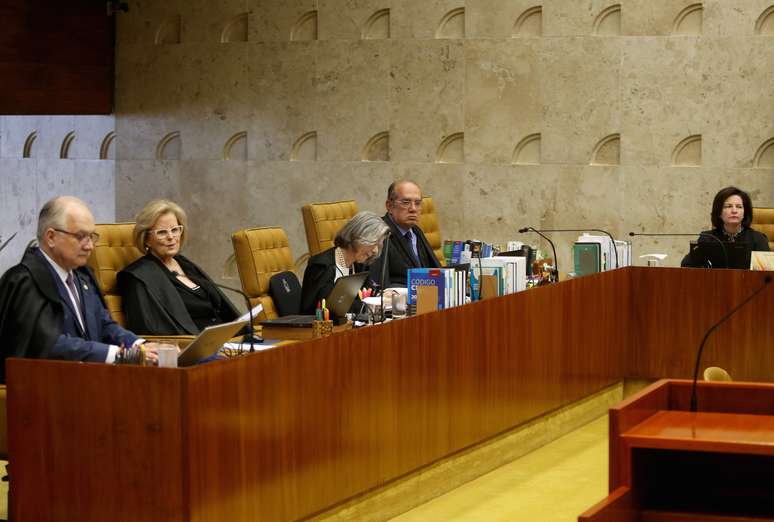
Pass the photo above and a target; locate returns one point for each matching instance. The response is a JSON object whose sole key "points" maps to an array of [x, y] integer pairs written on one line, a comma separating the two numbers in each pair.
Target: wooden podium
{"points": [[291, 431], [670, 464]]}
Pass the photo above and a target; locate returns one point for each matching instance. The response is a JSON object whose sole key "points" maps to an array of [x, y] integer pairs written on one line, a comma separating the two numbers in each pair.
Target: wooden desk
{"points": [[667, 463], [285, 433]]}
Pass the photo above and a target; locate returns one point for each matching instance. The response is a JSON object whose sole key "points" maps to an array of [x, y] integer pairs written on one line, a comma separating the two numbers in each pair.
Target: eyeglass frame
{"points": [[168, 232], [81, 237], [408, 203]]}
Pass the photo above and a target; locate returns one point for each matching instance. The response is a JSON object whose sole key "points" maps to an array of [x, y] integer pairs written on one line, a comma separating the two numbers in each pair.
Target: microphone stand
{"points": [[701, 234], [250, 335], [383, 275], [608, 234], [766, 281], [7, 241], [556, 261]]}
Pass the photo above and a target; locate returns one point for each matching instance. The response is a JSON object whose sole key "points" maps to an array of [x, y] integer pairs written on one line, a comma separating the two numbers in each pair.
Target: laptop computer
{"points": [[339, 302], [208, 342], [711, 254]]}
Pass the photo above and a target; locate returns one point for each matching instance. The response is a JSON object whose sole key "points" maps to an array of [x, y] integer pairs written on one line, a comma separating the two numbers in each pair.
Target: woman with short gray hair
{"points": [[356, 245]]}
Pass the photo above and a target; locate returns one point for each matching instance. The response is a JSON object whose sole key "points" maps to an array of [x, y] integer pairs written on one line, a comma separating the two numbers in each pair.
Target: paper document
{"points": [[256, 311]]}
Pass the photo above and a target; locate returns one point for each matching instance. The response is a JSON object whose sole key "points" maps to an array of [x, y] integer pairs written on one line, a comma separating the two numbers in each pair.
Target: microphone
{"points": [[383, 275], [556, 261], [701, 234], [250, 335], [608, 234], [766, 281]]}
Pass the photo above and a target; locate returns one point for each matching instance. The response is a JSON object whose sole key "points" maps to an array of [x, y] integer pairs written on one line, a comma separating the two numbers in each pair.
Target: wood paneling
{"points": [[288, 432], [56, 57]]}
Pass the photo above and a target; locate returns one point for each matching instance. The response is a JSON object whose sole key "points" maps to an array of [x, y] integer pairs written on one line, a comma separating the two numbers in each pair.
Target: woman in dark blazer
{"points": [[356, 244], [163, 292], [731, 215]]}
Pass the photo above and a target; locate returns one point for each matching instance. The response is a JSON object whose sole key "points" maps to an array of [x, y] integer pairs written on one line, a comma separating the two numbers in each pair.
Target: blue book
{"points": [[426, 277]]}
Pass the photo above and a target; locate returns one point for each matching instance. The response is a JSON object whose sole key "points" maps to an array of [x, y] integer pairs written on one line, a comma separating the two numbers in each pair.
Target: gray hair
{"points": [[365, 228], [53, 213]]}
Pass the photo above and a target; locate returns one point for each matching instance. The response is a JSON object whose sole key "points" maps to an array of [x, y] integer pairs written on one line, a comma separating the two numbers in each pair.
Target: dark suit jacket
{"points": [[37, 318], [319, 281], [401, 256], [152, 304]]}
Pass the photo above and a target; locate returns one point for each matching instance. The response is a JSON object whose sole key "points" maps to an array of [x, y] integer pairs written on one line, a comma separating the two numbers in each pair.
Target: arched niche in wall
{"points": [[529, 23], [235, 147], [305, 147], [169, 147], [452, 24], [608, 22], [168, 31], [764, 25], [764, 157], [28, 144], [451, 149], [689, 21], [687, 153], [527, 151], [377, 148], [235, 29], [305, 28], [377, 27], [64, 149], [107, 149], [607, 151]]}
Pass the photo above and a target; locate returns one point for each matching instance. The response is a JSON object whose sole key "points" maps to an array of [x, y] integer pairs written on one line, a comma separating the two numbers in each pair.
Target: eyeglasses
{"points": [[166, 233], [407, 203], [82, 237]]}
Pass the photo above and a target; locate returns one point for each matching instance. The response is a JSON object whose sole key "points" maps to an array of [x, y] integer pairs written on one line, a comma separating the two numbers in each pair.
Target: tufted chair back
{"points": [[323, 220], [260, 253], [763, 221], [114, 251], [428, 222]]}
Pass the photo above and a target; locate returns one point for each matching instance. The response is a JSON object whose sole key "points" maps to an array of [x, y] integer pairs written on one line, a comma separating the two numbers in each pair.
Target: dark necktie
{"points": [[407, 235], [71, 285]]}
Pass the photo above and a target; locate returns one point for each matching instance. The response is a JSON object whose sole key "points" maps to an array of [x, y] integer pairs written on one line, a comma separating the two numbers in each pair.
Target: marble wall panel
{"points": [[18, 207], [572, 17], [90, 132], [420, 20], [494, 18], [579, 86], [352, 96], [272, 20], [652, 18], [214, 198], [139, 181], [281, 83], [148, 94], [346, 19], [213, 98], [663, 99], [94, 182], [502, 97], [204, 20], [140, 23], [15, 130], [428, 81], [724, 18], [736, 79]]}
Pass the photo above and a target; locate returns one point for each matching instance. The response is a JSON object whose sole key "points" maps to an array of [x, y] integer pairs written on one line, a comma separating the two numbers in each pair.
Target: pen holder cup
{"points": [[321, 329]]}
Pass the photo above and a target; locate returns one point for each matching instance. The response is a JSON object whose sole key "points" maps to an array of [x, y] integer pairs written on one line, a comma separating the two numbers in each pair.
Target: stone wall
{"points": [[570, 113]]}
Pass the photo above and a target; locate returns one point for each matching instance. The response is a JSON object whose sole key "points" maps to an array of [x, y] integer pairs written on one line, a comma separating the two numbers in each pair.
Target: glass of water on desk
{"points": [[399, 302]]}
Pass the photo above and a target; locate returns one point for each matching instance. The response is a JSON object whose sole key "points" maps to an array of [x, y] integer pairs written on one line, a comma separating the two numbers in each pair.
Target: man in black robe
{"points": [[408, 247], [50, 305]]}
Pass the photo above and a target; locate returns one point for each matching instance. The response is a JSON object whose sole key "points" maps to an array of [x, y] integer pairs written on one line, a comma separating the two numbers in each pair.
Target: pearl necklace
{"points": [[341, 263]]}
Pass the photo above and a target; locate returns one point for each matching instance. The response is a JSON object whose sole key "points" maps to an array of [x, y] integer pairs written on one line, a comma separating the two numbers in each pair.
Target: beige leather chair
{"points": [[763, 221], [323, 220], [716, 373], [114, 251], [428, 222], [260, 253]]}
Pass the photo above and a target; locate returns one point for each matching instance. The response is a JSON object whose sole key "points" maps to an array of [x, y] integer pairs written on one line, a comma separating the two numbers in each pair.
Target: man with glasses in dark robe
{"points": [[50, 305], [408, 245]]}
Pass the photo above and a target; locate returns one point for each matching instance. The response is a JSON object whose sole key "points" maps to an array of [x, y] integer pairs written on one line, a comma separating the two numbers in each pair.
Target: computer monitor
{"points": [[717, 254]]}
